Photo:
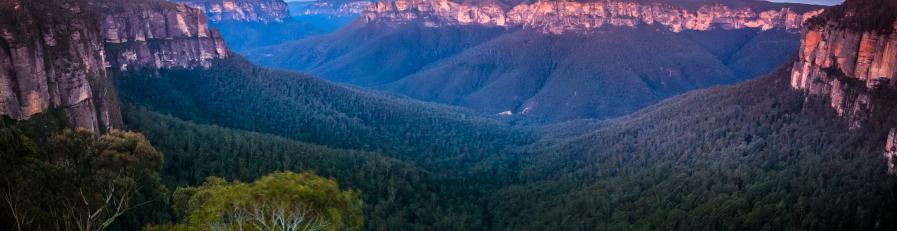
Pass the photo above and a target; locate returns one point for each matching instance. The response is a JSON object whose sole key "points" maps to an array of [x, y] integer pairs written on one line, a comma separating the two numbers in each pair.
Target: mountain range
{"points": [[807, 145], [549, 61]]}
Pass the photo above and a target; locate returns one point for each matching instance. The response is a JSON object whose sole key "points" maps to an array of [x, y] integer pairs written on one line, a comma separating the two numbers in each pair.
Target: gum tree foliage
{"points": [[76, 180], [279, 201]]}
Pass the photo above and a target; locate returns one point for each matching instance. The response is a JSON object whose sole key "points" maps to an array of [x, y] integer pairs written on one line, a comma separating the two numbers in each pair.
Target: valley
{"points": [[558, 63], [447, 115]]}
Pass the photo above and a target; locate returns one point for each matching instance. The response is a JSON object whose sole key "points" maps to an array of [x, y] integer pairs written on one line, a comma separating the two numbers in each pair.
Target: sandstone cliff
{"points": [[846, 61], [55, 53], [830, 59], [159, 35], [558, 16], [51, 56], [334, 8], [891, 151], [264, 11]]}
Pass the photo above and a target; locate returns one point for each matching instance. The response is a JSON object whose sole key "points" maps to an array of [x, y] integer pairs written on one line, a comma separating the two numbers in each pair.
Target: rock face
{"points": [[154, 37], [335, 8], [51, 56], [55, 53], [558, 16], [891, 151], [264, 11], [846, 62]]}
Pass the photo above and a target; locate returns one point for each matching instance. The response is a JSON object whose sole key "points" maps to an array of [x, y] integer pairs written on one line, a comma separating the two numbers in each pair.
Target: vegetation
{"points": [[239, 95], [396, 194], [281, 201], [754, 156], [75, 181], [859, 15], [601, 74]]}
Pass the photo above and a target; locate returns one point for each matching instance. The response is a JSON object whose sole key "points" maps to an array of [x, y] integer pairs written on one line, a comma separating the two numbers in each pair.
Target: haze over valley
{"points": [[448, 115]]}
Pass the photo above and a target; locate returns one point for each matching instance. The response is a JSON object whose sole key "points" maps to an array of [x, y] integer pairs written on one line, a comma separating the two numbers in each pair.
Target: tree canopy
{"points": [[279, 201]]}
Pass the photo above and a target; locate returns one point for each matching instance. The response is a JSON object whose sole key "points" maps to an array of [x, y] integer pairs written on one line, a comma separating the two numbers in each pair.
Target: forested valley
{"points": [[222, 143]]}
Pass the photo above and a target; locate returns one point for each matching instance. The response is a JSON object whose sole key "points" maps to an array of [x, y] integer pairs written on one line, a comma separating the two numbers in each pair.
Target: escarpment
{"points": [[55, 53], [845, 65], [52, 56], [846, 61], [264, 11], [159, 35], [335, 7], [558, 16]]}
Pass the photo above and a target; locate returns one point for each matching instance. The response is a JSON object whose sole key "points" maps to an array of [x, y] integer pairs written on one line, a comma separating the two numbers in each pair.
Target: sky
{"points": [[821, 2]]}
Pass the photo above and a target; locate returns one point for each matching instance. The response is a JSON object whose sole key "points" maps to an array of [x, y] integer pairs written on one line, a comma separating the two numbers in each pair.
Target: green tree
{"points": [[279, 201], [76, 180]]}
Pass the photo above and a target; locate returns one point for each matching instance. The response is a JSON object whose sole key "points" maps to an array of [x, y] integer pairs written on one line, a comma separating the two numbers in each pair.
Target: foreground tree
{"points": [[75, 180], [281, 201]]}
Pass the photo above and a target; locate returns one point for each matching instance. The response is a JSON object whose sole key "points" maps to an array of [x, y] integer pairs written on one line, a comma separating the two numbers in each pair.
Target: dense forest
{"points": [[424, 166], [753, 156], [240, 147], [857, 15], [535, 76], [743, 157], [396, 193]]}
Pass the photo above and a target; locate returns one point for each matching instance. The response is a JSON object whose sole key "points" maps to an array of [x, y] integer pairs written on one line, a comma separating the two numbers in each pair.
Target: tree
{"points": [[280, 201], [78, 181]]}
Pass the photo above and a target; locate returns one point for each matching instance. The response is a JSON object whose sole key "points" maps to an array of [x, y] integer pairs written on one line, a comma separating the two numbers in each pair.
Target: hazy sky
{"points": [[823, 2]]}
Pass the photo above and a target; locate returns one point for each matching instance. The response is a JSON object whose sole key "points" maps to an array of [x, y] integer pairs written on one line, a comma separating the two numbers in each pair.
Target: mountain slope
{"points": [[507, 57], [735, 158], [549, 77], [194, 152], [808, 147], [236, 94]]}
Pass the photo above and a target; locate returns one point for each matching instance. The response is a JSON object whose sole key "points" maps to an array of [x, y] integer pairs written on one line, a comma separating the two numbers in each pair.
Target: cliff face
{"points": [[55, 53], [846, 62], [154, 37], [264, 11], [51, 55], [553, 16], [335, 8], [891, 151], [845, 65]]}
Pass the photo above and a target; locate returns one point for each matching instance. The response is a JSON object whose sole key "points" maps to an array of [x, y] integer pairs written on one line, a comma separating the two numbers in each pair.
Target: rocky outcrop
{"points": [[51, 56], [846, 61], [159, 36], [845, 65], [334, 8], [264, 11], [891, 151], [558, 16], [57, 53]]}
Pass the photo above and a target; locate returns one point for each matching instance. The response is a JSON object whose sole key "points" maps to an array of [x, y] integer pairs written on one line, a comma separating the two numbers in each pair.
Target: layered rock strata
{"points": [[558, 16], [832, 60], [52, 57], [336, 8], [846, 62], [149, 36], [57, 53], [264, 11]]}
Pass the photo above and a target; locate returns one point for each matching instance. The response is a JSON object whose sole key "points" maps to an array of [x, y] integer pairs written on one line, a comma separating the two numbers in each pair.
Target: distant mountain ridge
{"points": [[333, 8], [550, 61], [264, 11], [559, 16]]}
